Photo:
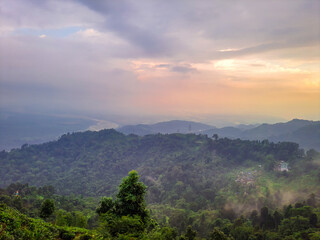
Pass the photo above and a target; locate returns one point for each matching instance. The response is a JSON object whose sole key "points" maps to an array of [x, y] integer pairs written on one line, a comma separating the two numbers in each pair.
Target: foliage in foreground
{"points": [[15, 225], [127, 217]]}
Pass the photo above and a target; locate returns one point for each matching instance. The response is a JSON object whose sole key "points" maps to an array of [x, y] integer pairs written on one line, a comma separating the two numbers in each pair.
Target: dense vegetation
{"points": [[127, 217], [195, 184], [98, 160], [15, 225]]}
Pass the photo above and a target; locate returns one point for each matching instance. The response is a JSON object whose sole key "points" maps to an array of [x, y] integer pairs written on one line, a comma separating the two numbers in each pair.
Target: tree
{"points": [[47, 208], [264, 212], [266, 220], [80, 219], [215, 136], [218, 235], [311, 154], [277, 218], [242, 232], [106, 205], [254, 218], [131, 197], [128, 213], [270, 163], [311, 201], [313, 219], [294, 224], [287, 211], [190, 234], [164, 233], [298, 205]]}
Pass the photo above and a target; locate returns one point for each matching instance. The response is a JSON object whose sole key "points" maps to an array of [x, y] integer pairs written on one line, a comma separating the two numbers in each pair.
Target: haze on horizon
{"points": [[258, 60]]}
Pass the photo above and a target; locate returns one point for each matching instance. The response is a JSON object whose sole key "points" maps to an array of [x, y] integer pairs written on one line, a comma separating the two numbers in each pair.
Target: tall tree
{"points": [[128, 213], [313, 219], [277, 218], [131, 197]]}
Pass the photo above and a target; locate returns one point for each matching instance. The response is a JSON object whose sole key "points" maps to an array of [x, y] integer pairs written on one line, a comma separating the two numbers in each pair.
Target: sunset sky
{"points": [[252, 60]]}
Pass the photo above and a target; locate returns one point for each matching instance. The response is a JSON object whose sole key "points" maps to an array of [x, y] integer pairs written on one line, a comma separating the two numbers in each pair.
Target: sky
{"points": [[245, 61]]}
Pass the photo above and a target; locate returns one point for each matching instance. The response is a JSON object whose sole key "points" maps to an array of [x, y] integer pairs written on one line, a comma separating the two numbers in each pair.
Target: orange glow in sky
{"points": [[146, 58]]}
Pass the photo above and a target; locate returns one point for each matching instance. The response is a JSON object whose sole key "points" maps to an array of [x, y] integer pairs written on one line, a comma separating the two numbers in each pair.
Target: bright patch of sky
{"points": [[58, 33], [175, 59]]}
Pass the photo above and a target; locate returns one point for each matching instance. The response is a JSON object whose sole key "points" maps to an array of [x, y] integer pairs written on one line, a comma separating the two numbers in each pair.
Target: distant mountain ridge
{"points": [[271, 130], [174, 126], [17, 129], [304, 132]]}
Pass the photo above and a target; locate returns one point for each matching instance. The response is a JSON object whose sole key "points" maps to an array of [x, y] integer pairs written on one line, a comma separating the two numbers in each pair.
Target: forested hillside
{"points": [[95, 158], [191, 179]]}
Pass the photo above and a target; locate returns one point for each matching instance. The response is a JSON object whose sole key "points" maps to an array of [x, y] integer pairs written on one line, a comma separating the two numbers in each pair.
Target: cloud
{"points": [[186, 68], [163, 65], [154, 57], [167, 28], [191, 31], [120, 18], [179, 68]]}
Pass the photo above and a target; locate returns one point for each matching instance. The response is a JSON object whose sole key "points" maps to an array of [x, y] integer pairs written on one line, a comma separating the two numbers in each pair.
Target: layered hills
{"points": [[305, 133]]}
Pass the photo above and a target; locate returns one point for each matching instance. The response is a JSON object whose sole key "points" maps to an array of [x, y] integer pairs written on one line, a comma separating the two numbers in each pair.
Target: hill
{"points": [[307, 136], [191, 179], [98, 160], [175, 126], [265, 131], [305, 133]]}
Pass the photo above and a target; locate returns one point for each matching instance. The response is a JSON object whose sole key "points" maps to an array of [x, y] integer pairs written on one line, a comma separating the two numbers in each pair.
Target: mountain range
{"points": [[174, 126], [17, 129], [304, 132]]}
